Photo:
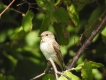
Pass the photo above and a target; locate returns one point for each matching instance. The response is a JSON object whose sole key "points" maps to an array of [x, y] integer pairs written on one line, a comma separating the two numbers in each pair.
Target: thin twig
{"points": [[45, 71], [87, 42], [6, 8], [60, 73], [91, 25], [42, 74], [54, 67], [49, 70], [56, 71], [17, 11]]}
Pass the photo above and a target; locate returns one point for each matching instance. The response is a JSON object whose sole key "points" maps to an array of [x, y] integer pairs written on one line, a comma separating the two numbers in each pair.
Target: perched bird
{"points": [[50, 48]]}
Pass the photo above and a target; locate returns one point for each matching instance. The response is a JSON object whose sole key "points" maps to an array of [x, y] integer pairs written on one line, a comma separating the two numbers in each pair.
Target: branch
{"points": [[87, 42], [6, 8]]}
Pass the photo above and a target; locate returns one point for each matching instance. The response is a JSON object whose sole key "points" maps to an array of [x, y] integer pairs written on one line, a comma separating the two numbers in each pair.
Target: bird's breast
{"points": [[47, 49]]}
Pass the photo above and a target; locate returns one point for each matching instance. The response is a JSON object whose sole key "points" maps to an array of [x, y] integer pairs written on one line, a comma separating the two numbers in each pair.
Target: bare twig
{"points": [[91, 26], [60, 73], [45, 71], [38, 76], [49, 70], [6, 8], [54, 67], [17, 11], [29, 4], [56, 71], [87, 42]]}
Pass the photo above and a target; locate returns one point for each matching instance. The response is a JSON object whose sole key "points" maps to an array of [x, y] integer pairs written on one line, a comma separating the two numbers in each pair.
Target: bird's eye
{"points": [[46, 34]]}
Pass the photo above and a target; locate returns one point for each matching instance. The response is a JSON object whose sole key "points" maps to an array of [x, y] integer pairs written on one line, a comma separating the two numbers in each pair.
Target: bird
{"points": [[51, 49]]}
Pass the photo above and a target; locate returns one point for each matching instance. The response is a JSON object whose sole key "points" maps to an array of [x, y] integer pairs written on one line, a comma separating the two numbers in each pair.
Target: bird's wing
{"points": [[58, 53]]}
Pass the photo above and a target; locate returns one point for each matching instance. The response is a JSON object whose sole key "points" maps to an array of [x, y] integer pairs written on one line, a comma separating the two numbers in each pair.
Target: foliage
{"points": [[20, 56]]}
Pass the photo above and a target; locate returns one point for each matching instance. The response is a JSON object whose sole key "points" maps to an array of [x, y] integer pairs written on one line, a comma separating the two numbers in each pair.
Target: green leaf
{"points": [[45, 23], [70, 75], [2, 77], [104, 34], [73, 15], [86, 71], [94, 16], [49, 77], [11, 59], [46, 5], [79, 67], [62, 33], [32, 38], [81, 6], [96, 65], [97, 74], [2, 37], [61, 15], [27, 21], [104, 31], [20, 34]]}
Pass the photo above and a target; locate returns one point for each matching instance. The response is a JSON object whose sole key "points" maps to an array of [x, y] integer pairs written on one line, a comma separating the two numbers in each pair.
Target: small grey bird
{"points": [[50, 48]]}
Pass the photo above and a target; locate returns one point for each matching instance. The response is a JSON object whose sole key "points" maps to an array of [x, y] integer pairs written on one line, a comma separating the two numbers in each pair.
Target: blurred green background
{"points": [[20, 56]]}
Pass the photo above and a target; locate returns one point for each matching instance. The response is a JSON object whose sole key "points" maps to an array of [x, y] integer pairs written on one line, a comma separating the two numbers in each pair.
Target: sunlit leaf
{"points": [[49, 77], [27, 21], [104, 31], [70, 75], [32, 38], [97, 74], [96, 65], [73, 14], [20, 34], [86, 71]]}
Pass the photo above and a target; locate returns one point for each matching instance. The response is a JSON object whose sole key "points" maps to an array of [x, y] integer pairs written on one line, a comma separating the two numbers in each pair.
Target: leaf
{"points": [[20, 34], [96, 65], [94, 15], [27, 21], [104, 34], [2, 77], [45, 23], [70, 75], [81, 6], [46, 5], [49, 77], [79, 67], [97, 74], [86, 71], [62, 33], [73, 15], [61, 15], [104, 31], [2, 36]]}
